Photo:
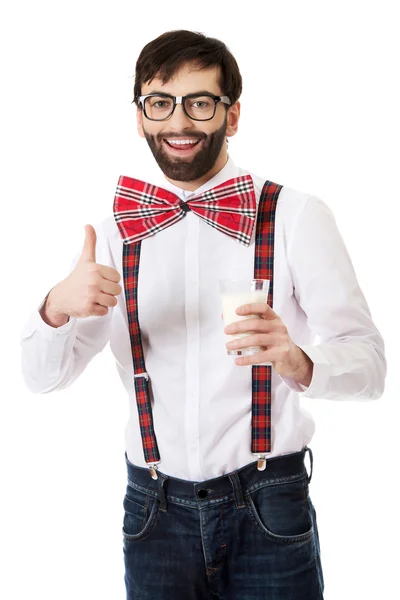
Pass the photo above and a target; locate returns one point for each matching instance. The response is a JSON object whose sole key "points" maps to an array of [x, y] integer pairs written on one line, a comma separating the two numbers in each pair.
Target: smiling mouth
{"points": [[181, 145]]}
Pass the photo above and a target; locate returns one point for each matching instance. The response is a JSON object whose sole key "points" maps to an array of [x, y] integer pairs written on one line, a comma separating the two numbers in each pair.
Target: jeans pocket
{"points": [[281, 511], [140, 514]]}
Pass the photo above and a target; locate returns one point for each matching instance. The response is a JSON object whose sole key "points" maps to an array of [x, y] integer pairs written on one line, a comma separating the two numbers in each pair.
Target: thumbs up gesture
{"points": [[90, 289], [89, 245]]}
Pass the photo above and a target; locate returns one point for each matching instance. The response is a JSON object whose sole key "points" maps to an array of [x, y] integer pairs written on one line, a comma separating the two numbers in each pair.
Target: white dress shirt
{"points": [[202, 399]]}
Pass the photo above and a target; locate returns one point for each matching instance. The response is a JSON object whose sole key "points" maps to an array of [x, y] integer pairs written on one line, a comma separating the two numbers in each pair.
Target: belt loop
{"points": [[237, 489], [161, 491], [311, 462]]}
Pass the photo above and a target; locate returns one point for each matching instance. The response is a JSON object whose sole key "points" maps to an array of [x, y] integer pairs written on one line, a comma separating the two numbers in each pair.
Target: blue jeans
{"points": [[247, 535]]}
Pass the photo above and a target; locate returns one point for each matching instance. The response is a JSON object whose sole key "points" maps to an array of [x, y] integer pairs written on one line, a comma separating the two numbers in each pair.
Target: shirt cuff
{"points": [[320, 377], [36, 323]]}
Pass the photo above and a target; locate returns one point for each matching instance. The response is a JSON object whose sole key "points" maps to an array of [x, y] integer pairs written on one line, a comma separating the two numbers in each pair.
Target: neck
{"points": [[190, 186]]}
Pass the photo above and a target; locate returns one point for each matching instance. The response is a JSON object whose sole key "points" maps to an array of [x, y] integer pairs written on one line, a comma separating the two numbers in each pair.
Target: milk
{"points": [[232, 300]]}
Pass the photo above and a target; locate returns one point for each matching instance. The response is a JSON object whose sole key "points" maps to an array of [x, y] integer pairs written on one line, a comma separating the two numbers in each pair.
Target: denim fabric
{"points": [[247, 535]]}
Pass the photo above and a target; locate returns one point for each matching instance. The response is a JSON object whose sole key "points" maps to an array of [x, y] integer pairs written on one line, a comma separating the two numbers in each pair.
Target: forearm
{"points": [[52, 358]]}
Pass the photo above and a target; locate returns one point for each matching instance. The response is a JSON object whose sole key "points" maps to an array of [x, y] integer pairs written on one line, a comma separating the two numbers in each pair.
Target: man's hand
{"points": [[90, 289], [271, 334]]}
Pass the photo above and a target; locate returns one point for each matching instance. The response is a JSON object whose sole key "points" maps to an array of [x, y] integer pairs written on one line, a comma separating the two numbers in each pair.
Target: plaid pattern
{"points": [[264, 269], [142, 209], [130, 268]]}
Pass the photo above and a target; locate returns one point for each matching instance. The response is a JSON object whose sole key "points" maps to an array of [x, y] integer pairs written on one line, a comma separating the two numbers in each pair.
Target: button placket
{"points": [[193, 346]]}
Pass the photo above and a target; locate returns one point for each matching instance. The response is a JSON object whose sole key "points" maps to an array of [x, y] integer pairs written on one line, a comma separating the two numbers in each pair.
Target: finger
{"points": [[257, 308], [109, 287], [106, 300], [89, 246], [109, 273], [258, 339], [248, 325], [255, 359], [99, 311]]}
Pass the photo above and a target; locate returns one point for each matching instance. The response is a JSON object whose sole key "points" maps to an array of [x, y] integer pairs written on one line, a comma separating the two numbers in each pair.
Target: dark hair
{"points": [[165, 55]]}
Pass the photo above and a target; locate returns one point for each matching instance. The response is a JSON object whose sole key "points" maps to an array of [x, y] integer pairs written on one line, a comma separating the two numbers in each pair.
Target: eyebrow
{"points": [[200, 93]]}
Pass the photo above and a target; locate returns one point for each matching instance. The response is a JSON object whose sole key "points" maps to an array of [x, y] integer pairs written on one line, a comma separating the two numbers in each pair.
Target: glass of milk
{"points": [[235, 293]]}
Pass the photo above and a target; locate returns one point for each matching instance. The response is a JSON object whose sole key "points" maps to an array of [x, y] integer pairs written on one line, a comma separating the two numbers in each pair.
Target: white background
{"points": [[320, 114]]}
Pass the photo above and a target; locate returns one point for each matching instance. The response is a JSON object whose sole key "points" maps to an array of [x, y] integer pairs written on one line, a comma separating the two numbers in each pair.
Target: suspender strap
{"points": [[131, 258], [261, 374]]}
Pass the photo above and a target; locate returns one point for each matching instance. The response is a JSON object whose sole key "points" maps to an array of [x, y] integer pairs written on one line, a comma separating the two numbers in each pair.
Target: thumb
{"points": [[269, 313], [89, 245]]}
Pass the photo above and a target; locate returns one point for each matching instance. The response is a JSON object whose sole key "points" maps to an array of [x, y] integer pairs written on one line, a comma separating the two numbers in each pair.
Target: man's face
{"points": [[194, 162]]}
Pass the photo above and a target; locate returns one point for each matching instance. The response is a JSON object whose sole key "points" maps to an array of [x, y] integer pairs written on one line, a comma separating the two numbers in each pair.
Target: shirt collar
{"points": [[227, 172]]}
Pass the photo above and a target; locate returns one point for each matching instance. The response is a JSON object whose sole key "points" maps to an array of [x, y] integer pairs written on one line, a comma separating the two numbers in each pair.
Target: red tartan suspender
{"points": [[261, 375], [130, 268]]}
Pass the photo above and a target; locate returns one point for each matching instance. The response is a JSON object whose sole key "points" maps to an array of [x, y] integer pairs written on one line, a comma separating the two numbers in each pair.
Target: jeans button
{"points": [[202, 493]]}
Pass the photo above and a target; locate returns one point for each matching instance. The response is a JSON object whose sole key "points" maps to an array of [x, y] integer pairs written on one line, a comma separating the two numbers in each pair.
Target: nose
{"points": [[179, 119]]}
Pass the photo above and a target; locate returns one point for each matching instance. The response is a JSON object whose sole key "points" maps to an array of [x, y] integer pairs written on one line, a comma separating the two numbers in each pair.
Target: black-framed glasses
{"points": [[199, 107]]}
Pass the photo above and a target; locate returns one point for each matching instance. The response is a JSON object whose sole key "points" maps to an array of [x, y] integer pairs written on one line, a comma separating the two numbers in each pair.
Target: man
{"points": [[217, 503]]}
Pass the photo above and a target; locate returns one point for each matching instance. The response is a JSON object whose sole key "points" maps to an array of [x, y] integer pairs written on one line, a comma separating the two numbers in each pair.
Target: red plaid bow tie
{"points": [[142, 209]]}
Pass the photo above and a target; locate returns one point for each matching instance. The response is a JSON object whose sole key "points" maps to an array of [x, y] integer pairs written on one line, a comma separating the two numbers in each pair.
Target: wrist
{"points": [[300, 367], [305, 369], [51, 312]]}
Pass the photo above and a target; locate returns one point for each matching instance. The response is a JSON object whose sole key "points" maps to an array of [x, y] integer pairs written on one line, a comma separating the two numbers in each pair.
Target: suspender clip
{"points": [[262, 461], [153, 470], [145, 375]]}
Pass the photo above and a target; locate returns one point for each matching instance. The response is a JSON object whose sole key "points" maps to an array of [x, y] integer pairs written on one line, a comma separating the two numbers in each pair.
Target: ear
{"points": [[139, 122], [233, 119]]}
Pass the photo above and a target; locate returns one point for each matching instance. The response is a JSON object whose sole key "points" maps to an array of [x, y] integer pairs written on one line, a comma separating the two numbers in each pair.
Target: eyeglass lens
{"points": [[159, 107]]}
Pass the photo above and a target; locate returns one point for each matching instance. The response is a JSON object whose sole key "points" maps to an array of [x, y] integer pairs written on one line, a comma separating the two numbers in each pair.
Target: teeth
{"points": [[181, 142]]}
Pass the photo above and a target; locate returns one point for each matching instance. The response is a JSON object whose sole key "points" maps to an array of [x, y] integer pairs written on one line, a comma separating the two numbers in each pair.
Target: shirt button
{"points": [[202, 493]]}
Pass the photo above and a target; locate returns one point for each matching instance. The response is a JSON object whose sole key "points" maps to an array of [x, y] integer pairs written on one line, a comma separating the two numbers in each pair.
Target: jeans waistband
{"points": [[246, 479]]}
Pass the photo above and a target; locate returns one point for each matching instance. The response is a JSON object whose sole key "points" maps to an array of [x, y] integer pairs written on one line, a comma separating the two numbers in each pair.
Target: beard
{"points": [[190, 169]]}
